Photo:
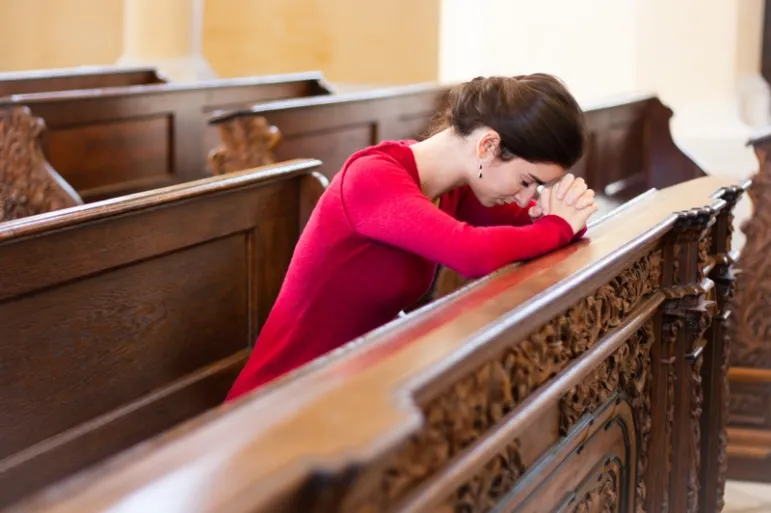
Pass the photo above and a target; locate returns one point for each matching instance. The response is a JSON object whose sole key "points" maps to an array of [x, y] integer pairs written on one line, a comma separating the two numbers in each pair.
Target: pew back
{"points": [[334, 126], [110, 142], [122, 318], [629, 147], [84, 77], [590, 379]]}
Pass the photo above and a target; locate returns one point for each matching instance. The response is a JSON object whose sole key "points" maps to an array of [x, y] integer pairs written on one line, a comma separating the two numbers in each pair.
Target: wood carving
{"points": [[603, 498], [627, 370], [750, 329], [669, 332], [28, 184], [247, 142], [469, 409]]}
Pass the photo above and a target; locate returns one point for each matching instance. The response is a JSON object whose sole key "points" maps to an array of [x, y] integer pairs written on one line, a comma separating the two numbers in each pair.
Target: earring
{"points": [[480, 170]]}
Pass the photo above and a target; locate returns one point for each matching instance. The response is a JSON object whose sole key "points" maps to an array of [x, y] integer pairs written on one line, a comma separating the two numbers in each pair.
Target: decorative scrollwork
{"points": [[750, 328], [472, 406], [247, 142], [603, 498], [28, 184]]}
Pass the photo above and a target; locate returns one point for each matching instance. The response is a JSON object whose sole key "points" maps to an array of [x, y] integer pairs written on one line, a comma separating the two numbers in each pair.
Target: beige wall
{"points": [[350, 40], [390, 42], [588, 43], [59, 33]]}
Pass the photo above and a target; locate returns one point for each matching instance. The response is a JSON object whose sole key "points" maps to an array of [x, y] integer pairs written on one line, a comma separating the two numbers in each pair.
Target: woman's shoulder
{"points": [[386, 161]]}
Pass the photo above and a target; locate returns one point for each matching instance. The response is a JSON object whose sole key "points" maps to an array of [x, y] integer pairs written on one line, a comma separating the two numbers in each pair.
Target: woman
{"points": [[461, 198]]}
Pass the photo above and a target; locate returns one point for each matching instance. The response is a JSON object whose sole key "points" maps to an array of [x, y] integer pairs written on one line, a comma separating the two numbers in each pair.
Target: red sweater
{"points": [[370, 250]]}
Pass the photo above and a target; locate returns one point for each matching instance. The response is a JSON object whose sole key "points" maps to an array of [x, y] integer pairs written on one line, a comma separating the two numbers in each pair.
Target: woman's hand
{"points": [[570, 199]]}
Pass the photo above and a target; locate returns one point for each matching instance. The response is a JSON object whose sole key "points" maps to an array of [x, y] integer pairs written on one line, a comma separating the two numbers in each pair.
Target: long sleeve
{"points": [[474, 213], [384, 203]]}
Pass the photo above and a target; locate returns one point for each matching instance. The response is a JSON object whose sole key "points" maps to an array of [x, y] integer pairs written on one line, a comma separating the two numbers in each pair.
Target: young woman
{"points": [[462, 198]]}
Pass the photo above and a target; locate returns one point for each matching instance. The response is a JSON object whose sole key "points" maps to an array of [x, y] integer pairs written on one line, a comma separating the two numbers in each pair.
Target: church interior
{"points": [[161, 161]]}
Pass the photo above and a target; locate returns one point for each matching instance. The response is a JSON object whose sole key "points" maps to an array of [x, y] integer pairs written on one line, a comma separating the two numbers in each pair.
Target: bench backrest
{"points": [[590, 378], [334, 126], [120, 140], [630, 147], [122, 318], [84, 77]]}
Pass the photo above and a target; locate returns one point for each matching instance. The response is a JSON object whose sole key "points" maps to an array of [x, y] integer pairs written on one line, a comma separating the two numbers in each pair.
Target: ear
{"points": [[488, 144]]}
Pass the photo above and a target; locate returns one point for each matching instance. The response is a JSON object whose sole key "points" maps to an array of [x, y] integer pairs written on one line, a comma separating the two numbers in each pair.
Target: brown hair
{"points": [[535, 115]]}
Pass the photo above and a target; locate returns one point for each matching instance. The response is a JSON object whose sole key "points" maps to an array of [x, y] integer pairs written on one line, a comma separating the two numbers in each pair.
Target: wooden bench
{"points": [[588, 380], [122, 318], [119, 140], [630, 146], [749, 433], [84, 77]]}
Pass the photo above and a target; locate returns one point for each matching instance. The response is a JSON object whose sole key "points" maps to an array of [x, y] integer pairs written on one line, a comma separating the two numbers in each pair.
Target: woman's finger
{"points": [[586, 199], [545, 201], [576, 190], [563, 186]]}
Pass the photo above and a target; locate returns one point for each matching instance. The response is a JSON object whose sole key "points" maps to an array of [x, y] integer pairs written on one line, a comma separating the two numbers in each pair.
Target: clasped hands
{"points": [[569, 199]]}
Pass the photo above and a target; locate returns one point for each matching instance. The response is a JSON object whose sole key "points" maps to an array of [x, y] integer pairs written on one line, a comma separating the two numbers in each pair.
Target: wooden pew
{"points": [[83, 77], [122, 318], [119, 140], [630, 147], [749, 433], [589, 380]]}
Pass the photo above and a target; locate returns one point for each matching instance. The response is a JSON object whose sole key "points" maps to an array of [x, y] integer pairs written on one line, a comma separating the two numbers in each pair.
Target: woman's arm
{"points": [[383, 203]]}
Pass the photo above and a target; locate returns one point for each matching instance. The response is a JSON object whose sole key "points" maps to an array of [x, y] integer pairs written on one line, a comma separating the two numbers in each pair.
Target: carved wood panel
{"points": [[469, 409], [750, 328], [28, 184]]}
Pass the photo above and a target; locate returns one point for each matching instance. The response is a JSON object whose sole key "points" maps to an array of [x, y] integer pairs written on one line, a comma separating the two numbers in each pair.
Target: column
{"points": [[166, 34]]}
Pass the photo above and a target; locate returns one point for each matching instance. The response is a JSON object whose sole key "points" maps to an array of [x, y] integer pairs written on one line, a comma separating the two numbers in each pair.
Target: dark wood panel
{"points": [[335, 144], [88, 443], [131, 150]]}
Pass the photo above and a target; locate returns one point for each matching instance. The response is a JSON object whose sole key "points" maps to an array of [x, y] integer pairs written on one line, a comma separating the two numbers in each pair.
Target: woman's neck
{"points": [[440, 161]]}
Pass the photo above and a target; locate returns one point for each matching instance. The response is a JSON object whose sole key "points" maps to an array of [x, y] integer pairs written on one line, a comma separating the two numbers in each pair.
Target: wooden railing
{"points": [[592, 379]]}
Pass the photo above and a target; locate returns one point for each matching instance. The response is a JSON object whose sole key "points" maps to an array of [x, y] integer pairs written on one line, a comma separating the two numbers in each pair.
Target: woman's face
{"points": [[511, 181]]}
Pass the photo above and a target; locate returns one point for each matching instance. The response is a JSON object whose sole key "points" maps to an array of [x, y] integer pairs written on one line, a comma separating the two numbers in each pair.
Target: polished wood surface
{"points": [[119, 140], [125, 317], [590, 378], [749, 434], [84, 77]]}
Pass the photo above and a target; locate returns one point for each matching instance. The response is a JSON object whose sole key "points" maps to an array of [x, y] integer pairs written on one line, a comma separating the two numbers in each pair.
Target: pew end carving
{"points": [[247, 142], [587, 380], [28, 183], [749, 435]]}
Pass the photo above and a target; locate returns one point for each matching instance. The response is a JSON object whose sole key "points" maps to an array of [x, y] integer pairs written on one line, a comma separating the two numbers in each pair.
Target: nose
{"points": [[524, 196]]}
